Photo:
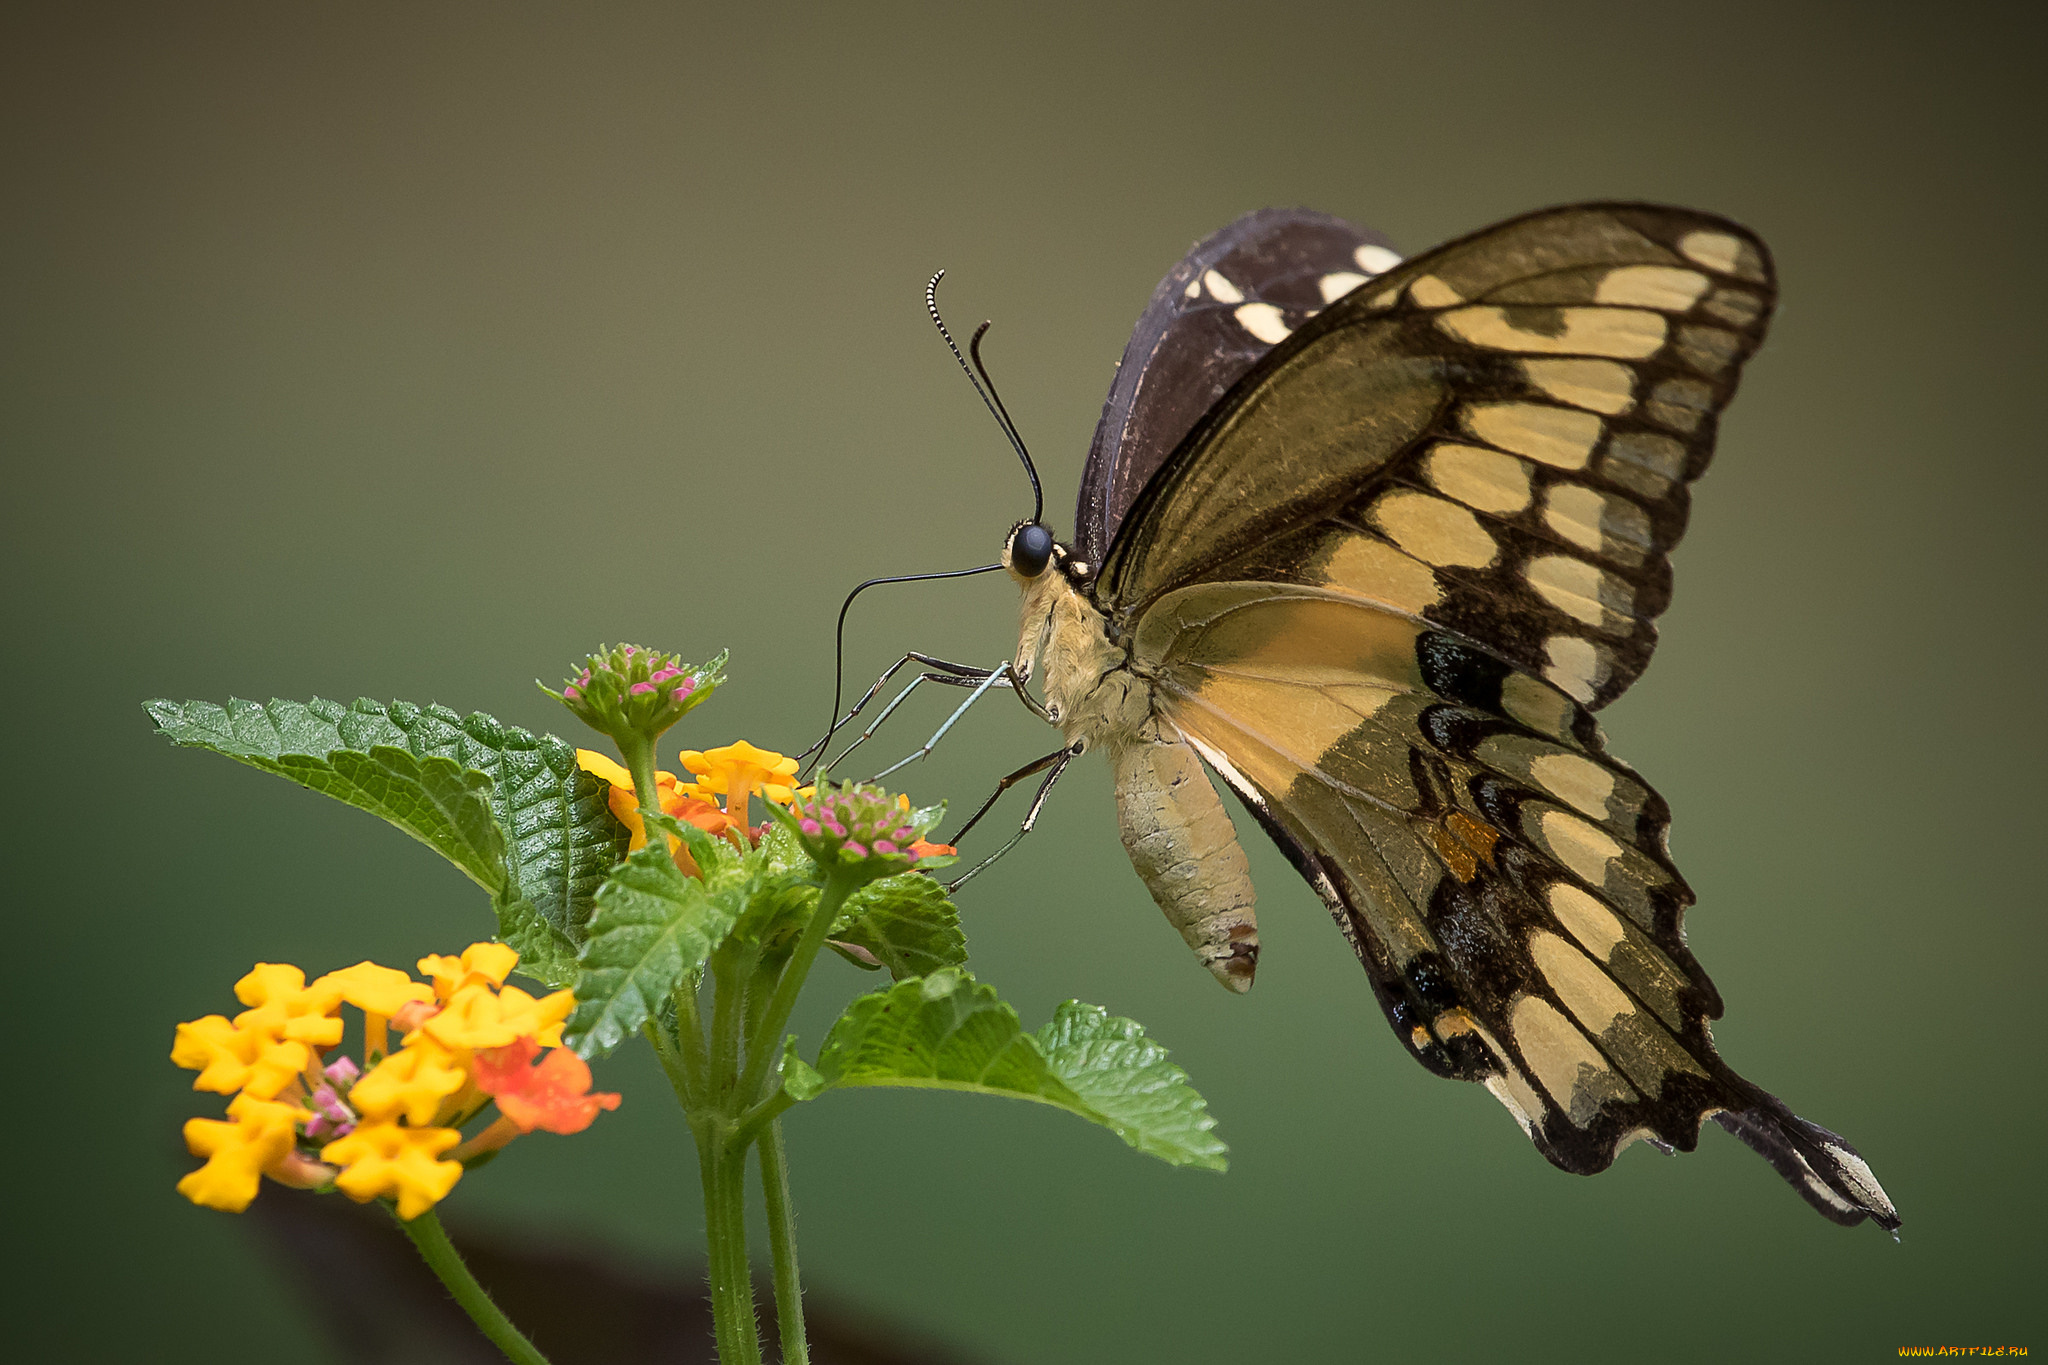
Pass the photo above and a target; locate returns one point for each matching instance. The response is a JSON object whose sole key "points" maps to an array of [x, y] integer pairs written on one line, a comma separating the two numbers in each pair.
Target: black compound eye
{"points": [[1030, 549]]}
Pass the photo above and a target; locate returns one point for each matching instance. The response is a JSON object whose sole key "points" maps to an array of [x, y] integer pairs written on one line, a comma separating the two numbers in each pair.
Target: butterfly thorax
{"points": [[1174, 826]]}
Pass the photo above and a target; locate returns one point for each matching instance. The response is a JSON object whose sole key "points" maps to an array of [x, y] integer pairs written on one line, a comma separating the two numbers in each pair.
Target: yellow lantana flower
{"points": [[738, 770], [480, 963], [258, 1133], [411, 1082], [387, 1159]]}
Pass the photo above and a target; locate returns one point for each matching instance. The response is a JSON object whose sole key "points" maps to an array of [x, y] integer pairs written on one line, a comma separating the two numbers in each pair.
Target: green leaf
{"points": [[947, 1031], [905, 923], [1125, 1077], [799, 1080], [652, 925], [429, 796], [555, 838]]}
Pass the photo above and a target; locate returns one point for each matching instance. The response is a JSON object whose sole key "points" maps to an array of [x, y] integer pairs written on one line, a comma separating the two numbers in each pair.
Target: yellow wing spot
{"points": [[1434, 530], [1719, 251], [1431, 292], [1581, 591], [1579, 782], [1485, 479], [1623, 333], [1566, 1063], [1573, 511], [1605, 386], [1576, 665], [1369, 568], [1586, 991], [1561, 437], [1586, 849], [1664, 287], [1588, 921]]}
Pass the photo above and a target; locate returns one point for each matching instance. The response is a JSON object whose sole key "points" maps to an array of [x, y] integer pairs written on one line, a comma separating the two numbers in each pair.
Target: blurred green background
{"points": [[407, 351]]}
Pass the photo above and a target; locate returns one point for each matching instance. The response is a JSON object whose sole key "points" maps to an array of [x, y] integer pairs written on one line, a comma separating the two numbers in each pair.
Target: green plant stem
{"points": [[789, 1290], [671, 1065], [723, 1165], [440, 1255], [768, 1041], [690, 1030]]}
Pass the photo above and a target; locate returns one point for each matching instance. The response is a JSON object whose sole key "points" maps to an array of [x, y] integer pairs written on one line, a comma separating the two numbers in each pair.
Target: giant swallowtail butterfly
{"points": [[1374, 539]]}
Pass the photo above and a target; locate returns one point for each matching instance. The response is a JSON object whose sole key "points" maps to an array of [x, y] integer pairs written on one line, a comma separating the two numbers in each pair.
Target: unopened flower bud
{"points": [[633, 694]]}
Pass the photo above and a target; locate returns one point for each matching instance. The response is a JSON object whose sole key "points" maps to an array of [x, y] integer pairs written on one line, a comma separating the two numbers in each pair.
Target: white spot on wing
{"points": [[1194, 289], [1263, 321], [1338, 283], [1374, 260], [1223, 290]]}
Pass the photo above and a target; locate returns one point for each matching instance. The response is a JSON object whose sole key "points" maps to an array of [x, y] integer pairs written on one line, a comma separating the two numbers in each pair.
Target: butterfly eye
{"points": [[1029, 550]]}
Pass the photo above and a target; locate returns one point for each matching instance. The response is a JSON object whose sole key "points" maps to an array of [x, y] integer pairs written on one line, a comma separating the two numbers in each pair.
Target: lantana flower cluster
{"points": [[389, 1126]]}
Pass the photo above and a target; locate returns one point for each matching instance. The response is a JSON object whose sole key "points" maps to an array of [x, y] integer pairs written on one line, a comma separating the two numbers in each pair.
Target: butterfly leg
{"points": [[1057, 761], [977, 679], [1001, 677], [967, 673]]}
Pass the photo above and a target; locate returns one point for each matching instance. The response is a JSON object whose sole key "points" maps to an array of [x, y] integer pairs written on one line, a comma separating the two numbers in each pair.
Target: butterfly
{"points": [[1373, 540]]}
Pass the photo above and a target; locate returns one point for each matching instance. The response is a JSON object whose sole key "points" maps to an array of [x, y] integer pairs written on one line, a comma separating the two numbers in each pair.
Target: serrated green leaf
{"points": [[556, 837], [429, 796], [652, 925], [1125, 1078], [905, 923], [947, 1031]]}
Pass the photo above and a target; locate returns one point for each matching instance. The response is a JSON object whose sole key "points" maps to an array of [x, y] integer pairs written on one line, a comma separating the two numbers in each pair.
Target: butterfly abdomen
{"points": [[1182, 843]]}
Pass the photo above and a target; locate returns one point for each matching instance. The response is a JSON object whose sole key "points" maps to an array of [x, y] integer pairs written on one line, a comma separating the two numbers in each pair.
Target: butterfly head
{"points": [[1029, 550]]}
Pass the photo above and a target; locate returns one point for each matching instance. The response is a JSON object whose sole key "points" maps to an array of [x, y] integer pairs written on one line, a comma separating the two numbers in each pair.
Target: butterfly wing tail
{"points": [[1829, 1173]]}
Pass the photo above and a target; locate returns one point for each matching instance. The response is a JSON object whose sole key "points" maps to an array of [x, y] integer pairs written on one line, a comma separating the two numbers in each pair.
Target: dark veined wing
{"points": [[1511, 420], [1352, 590], [1229, 301]]}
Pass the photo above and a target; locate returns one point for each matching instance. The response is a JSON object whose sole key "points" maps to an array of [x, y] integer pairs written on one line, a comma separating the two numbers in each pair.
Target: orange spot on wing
{"points": [[1464, 843]]}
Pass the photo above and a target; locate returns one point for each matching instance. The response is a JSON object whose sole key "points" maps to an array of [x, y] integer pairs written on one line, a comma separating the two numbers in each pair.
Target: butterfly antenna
{"points": [[994, 405], [833, 722]]}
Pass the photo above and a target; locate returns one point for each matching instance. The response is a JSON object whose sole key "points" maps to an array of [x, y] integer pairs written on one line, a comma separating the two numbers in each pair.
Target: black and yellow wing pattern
{"points": [[1382, 584]]}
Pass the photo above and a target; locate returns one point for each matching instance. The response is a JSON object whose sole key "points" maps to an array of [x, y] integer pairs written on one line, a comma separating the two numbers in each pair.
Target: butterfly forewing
{"points": [[1495, 437], [1230, 300]]}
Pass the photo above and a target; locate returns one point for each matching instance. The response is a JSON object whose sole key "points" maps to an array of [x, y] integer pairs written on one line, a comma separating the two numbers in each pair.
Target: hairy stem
{"points": [[723, 1165], [789, 1290], [440, 1255]]}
